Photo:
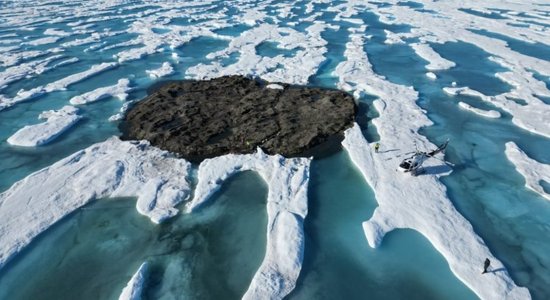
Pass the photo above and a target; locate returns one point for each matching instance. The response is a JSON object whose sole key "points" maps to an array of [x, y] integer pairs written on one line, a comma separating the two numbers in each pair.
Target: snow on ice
{"points": [[112, 168], [287, 180], [119, 90], [419, 203], [57, 122], [134, 288], [533, 171]]}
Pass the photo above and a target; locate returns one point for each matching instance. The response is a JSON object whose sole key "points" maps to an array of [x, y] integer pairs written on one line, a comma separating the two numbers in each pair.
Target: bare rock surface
{"points": [[234, 114]]}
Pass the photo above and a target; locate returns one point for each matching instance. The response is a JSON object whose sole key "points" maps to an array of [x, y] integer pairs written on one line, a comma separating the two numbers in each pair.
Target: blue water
{"points": [[213, 254], [93, 253], [474, 70], [338, 262]]}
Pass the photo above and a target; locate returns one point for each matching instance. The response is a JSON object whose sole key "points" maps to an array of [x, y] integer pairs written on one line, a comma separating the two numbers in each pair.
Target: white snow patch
{"points": [[431, 75], [134, 288], [112, 168], [287, 180], [275, 86], [165, 70], [489, 114], [532, 170], [57, 122], [119, 90]]}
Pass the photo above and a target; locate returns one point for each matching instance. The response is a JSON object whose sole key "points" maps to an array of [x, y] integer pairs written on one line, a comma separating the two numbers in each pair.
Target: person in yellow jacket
{"points": [[376, 147]]}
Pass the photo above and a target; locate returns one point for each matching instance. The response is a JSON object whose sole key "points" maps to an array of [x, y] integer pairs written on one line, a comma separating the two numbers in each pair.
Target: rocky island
{"points": [[233, 114]]}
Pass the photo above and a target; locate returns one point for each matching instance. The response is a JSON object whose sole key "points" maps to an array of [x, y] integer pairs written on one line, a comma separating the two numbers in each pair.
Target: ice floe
{"points": [[533, 171], [309, 47], [165, 70], [9, 58], [420, 202], [287, 180], [57, 32], [484, 113], [58, 85], [119, 90], [532, 116], [134, 288], [436, 62], [23, 70], [113, 168], [392, 38], [43, 41], [57, 122], [452, 23]]}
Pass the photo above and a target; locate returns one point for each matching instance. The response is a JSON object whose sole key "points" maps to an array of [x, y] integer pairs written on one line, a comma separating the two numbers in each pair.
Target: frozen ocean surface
{"points": [[102, 56]]}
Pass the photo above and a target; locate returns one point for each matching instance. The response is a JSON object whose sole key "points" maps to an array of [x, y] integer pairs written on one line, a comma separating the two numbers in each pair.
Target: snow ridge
{"points": [[287, 180], [112, 168]]}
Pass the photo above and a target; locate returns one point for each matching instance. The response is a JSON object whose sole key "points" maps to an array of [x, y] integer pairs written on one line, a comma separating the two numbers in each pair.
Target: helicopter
{"points": [[413, 164]]}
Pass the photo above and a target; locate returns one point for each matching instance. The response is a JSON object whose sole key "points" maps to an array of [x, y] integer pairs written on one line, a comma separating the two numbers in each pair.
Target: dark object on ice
{"points": [[234, 114], [414, 163], [486, 265], [376, 147]]}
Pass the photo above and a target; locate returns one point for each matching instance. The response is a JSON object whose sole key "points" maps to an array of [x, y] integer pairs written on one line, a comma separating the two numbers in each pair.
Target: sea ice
{"points": [[113, 168], [532, 116], [59, 85], [57, 32], [484, 113], [119, 90], [57, 122], [165, 70], [134, 288], [451, 24], [436, 62], [287, 180], [532, 170], [295, 70], [392, 38], [23, 70], [43, 41], [420, 202]]}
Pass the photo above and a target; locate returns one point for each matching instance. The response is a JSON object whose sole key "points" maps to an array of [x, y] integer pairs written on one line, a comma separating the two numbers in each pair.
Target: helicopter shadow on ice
{"points": [[435, 170]]}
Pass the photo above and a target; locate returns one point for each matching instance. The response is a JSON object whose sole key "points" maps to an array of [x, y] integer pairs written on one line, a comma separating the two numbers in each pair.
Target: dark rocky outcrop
{"points": [[234, 114]]}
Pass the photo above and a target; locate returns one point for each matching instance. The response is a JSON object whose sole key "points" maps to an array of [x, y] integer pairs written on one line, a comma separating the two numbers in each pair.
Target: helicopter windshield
{"points": [[405, 164]]}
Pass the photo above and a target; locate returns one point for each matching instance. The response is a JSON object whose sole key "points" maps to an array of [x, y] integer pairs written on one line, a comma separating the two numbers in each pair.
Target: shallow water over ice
{"points": [[338, 262], [92, 254], [484, 186]]}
